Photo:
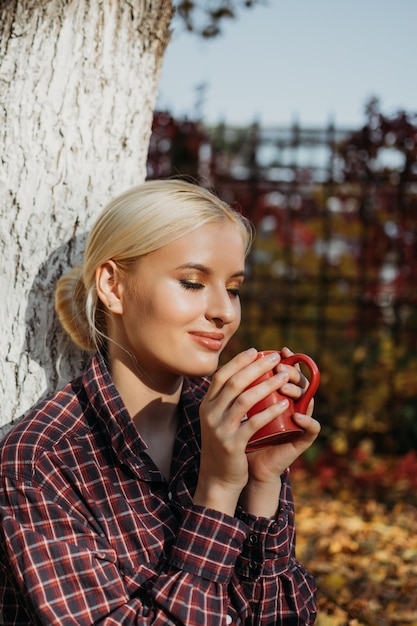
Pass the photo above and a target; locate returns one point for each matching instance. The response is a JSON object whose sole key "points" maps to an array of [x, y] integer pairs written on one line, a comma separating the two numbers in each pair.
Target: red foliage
{"points": [[388, 479]]}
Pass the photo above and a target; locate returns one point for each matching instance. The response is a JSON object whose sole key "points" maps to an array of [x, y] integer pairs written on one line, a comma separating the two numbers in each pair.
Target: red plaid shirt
{"points": [[91, 532]]}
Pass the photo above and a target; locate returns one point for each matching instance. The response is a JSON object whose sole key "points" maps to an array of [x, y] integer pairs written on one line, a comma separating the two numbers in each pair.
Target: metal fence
{"points": [[333, 271]]}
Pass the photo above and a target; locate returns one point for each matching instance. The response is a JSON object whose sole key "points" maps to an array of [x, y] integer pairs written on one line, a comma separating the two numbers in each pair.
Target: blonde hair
{"points": [[139, 221]]}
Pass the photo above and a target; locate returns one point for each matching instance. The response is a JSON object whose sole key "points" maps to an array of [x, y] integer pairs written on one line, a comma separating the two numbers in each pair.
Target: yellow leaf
{"points": [[335, 581], [332, 620]]}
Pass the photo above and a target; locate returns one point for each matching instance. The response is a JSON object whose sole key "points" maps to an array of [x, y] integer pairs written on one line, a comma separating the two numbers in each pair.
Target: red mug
{"points": [[282, 429]]}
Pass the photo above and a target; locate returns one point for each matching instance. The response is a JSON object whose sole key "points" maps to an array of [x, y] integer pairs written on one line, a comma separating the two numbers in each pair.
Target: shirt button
{"points": [[229, 619], [253, 539], [169, 495]]}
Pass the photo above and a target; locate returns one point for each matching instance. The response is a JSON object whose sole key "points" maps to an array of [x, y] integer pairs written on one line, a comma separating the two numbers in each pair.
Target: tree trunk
{"points": [[78, 83]]}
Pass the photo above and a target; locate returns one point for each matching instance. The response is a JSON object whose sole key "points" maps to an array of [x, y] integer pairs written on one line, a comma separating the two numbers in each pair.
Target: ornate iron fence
{"points": [[333, 271]]}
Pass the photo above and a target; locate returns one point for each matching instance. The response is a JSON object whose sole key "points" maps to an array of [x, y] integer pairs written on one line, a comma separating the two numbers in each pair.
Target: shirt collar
{"points": [[115, 420]]}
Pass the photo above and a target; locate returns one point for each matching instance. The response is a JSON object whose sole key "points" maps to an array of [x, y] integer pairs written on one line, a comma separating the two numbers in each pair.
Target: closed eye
{"points": [[193, 285], [188, 284]]}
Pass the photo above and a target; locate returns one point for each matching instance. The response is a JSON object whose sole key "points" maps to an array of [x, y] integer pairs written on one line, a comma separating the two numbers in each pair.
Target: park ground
{"points": [[357, 534]]}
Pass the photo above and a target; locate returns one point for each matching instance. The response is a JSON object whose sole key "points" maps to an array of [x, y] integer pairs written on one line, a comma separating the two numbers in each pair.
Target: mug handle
{"points": [[301, 405]]}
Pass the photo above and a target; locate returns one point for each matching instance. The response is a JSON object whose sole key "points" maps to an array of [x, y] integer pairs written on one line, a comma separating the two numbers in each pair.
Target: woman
{"points": [[128, 496]]}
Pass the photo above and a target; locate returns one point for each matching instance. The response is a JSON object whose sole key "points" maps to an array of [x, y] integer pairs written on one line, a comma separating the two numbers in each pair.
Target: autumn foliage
{"points": [[357, 533]]}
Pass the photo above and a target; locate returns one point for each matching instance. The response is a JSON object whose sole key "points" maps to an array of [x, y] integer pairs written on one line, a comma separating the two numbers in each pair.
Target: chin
{"points": [[202, 369]]}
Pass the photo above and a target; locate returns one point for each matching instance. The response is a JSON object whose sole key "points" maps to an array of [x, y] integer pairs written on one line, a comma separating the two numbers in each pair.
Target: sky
{"points": [[305, 61]]}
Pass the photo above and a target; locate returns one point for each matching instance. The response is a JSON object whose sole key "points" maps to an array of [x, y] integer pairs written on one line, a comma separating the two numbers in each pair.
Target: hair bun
{"points": [[70, 299]]}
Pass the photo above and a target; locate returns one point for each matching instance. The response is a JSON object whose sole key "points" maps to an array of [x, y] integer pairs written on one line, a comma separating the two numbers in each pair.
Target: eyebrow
{"points": [[205, 270]]}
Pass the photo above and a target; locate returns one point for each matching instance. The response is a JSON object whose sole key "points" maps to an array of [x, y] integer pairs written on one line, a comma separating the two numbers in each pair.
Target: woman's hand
{"points": [[225, 467], [267, 464]]}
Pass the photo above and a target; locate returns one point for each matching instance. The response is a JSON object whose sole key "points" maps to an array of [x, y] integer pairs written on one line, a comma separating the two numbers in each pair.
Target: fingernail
{"points": [[283, 404], [282, 376], [251, 352], [273, 357], [301, 417]]}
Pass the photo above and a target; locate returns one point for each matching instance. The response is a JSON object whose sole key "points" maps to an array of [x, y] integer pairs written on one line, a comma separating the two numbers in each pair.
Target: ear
{"points": [[109, 286]]}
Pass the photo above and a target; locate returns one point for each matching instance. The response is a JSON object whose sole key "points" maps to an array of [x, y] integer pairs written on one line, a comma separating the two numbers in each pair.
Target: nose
{"points": [[222, 307]]}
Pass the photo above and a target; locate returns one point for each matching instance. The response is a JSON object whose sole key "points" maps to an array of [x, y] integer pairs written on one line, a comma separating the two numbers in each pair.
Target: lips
{"points": [[209, 340]]}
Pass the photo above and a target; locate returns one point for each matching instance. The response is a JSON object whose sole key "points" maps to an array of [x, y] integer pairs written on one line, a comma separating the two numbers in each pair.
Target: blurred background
{"points": [[304, 116]]}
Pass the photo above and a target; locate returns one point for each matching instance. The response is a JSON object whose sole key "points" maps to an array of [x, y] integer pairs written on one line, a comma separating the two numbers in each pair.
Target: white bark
{"points": [[78, 83]]}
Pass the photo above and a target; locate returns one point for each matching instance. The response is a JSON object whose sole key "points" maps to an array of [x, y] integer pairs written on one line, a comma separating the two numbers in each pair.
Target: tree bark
{"points": [[78, 84]]}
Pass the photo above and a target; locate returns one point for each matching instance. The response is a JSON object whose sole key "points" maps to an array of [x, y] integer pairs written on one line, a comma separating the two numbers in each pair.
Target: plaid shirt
{"points": [[92, 533]]}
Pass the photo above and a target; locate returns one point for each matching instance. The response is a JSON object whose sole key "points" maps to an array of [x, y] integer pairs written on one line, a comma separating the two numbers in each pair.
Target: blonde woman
{"points": [[128, 496]]}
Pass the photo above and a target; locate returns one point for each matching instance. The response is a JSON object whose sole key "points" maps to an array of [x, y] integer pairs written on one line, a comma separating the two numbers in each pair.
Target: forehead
{"points": [[216, 243]]}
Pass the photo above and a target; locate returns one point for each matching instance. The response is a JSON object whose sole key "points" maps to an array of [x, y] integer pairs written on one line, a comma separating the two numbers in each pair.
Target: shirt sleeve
{"points": [[56, 569], [272, 579]]}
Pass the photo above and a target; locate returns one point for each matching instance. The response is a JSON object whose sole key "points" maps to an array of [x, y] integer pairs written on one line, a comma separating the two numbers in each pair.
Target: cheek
{"points": [[238, 317], [173, 305]]}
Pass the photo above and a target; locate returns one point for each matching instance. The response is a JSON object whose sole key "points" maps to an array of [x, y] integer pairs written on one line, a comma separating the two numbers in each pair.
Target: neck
{"points": [[151, 403]]}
